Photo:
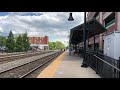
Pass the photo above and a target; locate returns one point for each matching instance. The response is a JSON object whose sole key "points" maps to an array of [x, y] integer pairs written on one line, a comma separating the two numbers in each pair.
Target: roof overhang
{"points": [[93, 27]]}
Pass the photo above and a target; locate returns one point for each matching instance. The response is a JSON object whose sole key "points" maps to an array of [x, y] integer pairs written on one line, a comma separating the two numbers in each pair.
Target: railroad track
{"points": [[17, 53], [11, 57], [25, 70], [23, 53], [8, 54]]}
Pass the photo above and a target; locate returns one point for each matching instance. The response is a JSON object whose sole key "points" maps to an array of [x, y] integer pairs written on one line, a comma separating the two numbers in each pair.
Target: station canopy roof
{"points": [[92, 27]]}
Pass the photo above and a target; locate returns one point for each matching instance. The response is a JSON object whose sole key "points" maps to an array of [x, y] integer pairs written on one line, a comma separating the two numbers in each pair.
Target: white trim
{"points": [[87, 14], [118, 21], [92, 15], [106, 15], [101, 17], [39, 45], [97, 17], [114, 31]]}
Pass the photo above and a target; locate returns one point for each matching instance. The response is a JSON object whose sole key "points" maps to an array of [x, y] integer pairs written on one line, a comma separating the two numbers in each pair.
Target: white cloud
{"points": [[53, 24], [1, 30]]}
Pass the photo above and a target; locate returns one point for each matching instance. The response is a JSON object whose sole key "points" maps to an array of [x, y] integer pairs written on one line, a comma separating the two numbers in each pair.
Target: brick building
{"points": [[110, 20], [40, 43]]}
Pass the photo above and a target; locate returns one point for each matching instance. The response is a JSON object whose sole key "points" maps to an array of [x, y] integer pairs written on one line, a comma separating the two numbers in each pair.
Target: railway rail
{"points": [[25, 70], [17, 53], [11, 57]]}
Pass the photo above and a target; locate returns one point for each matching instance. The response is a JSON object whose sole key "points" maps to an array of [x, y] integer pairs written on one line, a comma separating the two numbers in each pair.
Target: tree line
{"points": [[19, 43], [56, 45]]}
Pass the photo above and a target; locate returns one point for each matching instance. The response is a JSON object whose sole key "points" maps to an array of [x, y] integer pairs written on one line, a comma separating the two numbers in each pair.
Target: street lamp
{"points": [[70, 17], [84, 64]]}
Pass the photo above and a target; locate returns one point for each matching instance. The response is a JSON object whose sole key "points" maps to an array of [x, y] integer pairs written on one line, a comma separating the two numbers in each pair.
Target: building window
{"points": [[110, 20]]}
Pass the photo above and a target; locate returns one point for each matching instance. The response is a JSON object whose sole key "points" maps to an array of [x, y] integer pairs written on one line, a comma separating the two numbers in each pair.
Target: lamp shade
{"points": [[70, 17]]}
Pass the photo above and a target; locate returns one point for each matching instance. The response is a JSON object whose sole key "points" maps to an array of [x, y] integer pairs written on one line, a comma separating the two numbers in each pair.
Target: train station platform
{"points": [[66, 66]]}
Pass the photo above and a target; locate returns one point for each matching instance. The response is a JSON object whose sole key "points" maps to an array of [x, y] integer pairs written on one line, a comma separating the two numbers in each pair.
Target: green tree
{"points": [[10, 42], [19, 44], [59, 45], [51, 46], [2, 41], [26, 44], [56, 45]]}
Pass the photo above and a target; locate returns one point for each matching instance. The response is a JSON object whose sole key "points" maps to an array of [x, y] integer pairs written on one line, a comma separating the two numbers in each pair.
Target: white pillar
{"points": [[118, 22], [101, 17]]}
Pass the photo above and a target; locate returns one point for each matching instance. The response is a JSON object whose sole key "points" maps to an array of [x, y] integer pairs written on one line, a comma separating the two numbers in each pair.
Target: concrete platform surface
{"points": [[70, 67]]}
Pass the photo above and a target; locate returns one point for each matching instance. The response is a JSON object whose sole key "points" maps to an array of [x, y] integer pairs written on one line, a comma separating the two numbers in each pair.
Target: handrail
{"points": [[104, 65], [106, 62]]}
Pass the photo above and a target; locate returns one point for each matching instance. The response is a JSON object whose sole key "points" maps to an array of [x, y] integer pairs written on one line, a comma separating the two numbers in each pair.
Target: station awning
{"points": [[93, 27]]}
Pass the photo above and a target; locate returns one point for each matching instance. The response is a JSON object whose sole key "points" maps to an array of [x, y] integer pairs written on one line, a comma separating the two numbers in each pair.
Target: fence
{"points": [[105, 66]]}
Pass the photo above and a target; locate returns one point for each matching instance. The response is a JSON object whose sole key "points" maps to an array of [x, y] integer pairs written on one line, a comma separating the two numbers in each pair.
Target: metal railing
{"points": [[111, 22], [105, 66]]}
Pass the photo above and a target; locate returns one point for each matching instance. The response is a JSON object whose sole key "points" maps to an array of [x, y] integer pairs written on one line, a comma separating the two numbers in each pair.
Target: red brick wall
{"points": [[46, 39], [90, 15], [111, 28], [38, 40], [98, 18], [33, 40], [104, 13]]}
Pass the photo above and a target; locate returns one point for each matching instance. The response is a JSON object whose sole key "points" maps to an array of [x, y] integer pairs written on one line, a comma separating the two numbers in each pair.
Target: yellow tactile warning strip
{"points": [[49, 71]]}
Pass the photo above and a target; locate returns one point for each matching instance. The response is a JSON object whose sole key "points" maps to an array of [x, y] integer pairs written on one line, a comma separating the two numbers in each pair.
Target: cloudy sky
{"points": [[53, 24]]}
